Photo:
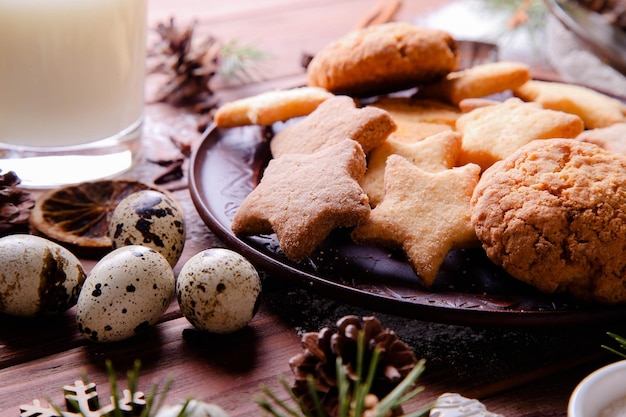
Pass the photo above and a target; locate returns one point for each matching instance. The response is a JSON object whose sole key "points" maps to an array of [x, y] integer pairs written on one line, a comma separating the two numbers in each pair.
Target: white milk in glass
{"points": [[71, 74]]}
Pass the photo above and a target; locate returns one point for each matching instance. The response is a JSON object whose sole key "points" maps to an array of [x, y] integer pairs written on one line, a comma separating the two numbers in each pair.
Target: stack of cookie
{"points": [[482, 156]]}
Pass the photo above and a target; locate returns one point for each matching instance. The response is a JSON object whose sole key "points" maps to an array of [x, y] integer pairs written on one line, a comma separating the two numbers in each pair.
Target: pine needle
{"points": [[622, 345], [238, 60]]}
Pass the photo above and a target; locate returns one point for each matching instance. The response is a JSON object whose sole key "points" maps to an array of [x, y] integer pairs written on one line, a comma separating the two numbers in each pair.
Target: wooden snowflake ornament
{"points": [[81, 400]]}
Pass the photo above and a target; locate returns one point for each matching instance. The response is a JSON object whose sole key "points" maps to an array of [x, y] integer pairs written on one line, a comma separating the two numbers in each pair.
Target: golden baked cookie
{"points": [[553, 214], [335, 120], [435, 153], [468, 104], [417, 119], [270, 107], [611, 138], [383, 58], [595, 108], [491, 133], [424, 213], [303, 197], [478, 81], [410, 109], [416, 131]]}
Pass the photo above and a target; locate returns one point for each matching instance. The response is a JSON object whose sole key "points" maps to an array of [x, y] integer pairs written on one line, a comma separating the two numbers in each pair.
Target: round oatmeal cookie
{"points": [[383, 58], [553, 214]]}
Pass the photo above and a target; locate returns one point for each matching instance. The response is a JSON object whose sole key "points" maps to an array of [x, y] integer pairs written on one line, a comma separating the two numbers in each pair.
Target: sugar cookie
{"points": [[595, 108], [383, 58], [270, 107], [303, 197], [425, 214], [335, 120], [478, 81], [493, 132], [435, 153], [611, 138], [553, 214]]}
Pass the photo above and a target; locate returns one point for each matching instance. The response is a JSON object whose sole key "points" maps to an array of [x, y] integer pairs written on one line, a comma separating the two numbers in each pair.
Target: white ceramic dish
{"points": [[598, 390]]}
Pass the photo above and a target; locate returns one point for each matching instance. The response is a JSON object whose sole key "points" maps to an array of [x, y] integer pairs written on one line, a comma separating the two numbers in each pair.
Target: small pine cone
{"points": [[322, 349], [15, 205]]}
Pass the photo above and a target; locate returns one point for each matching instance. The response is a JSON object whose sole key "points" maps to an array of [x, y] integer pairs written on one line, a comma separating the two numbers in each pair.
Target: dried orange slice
{"points": [[78, 215]]}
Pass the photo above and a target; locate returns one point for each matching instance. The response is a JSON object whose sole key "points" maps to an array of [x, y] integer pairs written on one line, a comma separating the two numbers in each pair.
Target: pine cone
{"points": [[322, 349], [189, 65], [15, 205]]}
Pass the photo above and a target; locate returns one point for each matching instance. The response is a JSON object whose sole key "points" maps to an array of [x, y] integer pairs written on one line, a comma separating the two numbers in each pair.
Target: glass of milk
{"points": [[71, 88]]}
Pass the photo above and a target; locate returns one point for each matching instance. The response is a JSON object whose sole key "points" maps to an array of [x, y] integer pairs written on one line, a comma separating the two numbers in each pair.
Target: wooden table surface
{"points": [[514, 371]]}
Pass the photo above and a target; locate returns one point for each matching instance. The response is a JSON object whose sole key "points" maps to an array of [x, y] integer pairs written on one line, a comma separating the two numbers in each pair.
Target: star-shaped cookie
{"points": [[303, 197], [594, 108], [425, 214], [418, 118], [333, 121], [435, 153], [493, 132]]}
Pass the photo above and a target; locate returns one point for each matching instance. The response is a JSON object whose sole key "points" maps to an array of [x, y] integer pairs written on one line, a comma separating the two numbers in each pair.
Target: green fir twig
{"points": [[237, 61], [81, 399], [351, 402], [622, 345]]}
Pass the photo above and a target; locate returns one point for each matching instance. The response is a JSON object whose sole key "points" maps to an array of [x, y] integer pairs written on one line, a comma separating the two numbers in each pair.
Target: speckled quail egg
{"points": [[126, 292], [37, 277], [149, 218], [218, 290]]}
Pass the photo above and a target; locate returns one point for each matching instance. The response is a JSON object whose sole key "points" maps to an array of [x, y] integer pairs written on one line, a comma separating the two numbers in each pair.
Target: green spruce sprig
{"points": [[351, 401], [153, 400], [239, 61], [622, 345]]}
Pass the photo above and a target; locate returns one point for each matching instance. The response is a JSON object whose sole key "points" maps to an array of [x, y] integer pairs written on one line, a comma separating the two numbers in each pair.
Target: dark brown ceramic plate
{"points": [[469, 290]]}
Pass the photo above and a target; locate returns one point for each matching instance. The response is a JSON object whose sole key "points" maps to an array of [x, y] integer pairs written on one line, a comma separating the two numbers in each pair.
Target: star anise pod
{"points": [[15, 205], [321, 350]]}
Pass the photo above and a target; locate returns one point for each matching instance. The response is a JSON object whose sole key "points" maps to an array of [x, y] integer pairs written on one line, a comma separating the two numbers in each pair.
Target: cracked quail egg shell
{"points": [[38, 276], [218, 290], [149, 218], [126, 292]]}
